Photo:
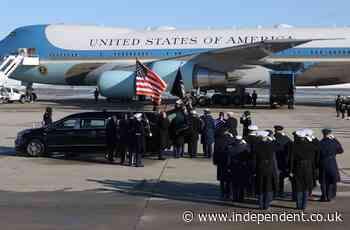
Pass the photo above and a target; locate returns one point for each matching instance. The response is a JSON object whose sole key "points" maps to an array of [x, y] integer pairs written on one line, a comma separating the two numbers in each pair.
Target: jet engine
{"points": [[117, 84]]}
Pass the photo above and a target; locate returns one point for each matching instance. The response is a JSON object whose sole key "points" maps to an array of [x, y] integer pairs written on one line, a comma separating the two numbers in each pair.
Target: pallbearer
{"points": [[329, 174]]}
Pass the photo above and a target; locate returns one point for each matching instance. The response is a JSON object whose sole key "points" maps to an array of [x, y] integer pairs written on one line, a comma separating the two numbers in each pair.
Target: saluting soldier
{"points": [[265, 169], [302, 159], [329, 174], [239, 169], [283, 143]]}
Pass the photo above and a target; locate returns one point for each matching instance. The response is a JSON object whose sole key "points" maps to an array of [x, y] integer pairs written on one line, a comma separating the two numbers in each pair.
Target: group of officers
{"points": [[255, 164], [342, 107], [258, 163]]}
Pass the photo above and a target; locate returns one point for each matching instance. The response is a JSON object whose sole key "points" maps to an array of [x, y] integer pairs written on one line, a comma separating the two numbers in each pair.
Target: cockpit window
{"points": [[12, 34]]}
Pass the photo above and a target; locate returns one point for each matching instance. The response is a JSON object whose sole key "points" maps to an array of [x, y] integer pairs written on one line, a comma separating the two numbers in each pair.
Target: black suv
{"points": [[77, 133]]}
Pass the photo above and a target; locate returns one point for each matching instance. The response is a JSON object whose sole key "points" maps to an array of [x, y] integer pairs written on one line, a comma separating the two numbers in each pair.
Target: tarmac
{"points": [[90, 193]]}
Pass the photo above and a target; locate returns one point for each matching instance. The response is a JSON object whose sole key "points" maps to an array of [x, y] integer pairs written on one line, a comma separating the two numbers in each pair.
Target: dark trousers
{"points": [[254, 102], [237, 193], [137, 152], [178, 151], [208, 150], [111, 147], [282, 177], [302, 198], [123, 149], [338, 113], [224, 188], [265, 199], [329, 191], [193, 147]]}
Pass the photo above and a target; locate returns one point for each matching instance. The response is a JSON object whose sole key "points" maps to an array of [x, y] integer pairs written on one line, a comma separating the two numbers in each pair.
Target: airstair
{"points": [[12, 62]]}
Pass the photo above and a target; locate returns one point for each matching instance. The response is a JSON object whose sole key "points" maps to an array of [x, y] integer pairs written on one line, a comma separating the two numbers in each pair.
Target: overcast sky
{"points": [[179, 13]]}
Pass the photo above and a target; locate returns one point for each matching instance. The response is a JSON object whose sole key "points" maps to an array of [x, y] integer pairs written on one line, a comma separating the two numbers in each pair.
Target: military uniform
{"points": [[251, 140], [246, 122], [208, 134], [239, 168], [329, 174], [266, 177], [283, 143], [302, 163], [337, 105], [123, 144], [220, 159], [138, 133]]}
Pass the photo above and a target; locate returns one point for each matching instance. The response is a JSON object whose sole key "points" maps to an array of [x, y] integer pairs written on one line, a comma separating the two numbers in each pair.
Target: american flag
{"points": [[148, 83]]}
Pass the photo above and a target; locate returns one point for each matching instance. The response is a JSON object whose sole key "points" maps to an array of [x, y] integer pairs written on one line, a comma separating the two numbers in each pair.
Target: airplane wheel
{"points": [[203, 101]]}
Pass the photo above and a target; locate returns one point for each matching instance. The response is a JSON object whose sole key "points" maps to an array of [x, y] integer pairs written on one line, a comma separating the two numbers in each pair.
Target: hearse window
{"points": [[68, 124], [92, 123]]}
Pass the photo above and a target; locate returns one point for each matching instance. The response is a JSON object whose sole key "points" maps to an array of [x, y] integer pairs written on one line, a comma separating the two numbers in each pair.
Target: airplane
{"points": [[105, 57]]}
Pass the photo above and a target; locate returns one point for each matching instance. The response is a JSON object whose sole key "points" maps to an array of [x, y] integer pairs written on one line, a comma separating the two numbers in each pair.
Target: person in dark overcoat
{"points": [[164, 139], [208, 133], [338, 104], [251, 140], [343, 108], [266, 177], [283, 143], [111, 137], [239, 168], [302, 159], [220, 158], [246, 121], [178, 129], [47, 117], [124, 138], [195, 125], [231, 123], [329, 173]]}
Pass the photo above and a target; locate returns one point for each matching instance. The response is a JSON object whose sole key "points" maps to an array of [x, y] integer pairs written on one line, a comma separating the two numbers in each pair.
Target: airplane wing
{"points": [[229, 59]]}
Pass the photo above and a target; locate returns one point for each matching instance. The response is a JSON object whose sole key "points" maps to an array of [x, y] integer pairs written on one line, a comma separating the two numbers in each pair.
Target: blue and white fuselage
{"points": [[91, 55]]}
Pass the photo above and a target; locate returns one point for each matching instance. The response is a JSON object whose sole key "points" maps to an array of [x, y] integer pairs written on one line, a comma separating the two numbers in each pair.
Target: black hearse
{"points": [[81, 133]]}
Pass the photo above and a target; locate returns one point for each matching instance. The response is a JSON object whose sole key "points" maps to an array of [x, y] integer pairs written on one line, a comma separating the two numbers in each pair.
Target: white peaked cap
{"points": [[300, 133], [308, 132], [239, 137], [138, 115], [253, 127], [262, 133]]}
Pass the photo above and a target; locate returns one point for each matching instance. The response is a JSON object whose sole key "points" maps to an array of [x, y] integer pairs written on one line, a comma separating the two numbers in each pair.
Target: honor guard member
{"points": [[329, 174], [338, 104], [309, 133], [221, 152], [301, 166], [283, 143], [246, 121], [139, 133], [231, 124], [195, 124], [208, 133], [254, 98], [251, 139], [111, 130], [238, 167], [265, 169], [124, 137]]}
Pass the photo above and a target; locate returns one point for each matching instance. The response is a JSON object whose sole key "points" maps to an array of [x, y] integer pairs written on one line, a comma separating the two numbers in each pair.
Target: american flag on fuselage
{"points": [[148, 83]]}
